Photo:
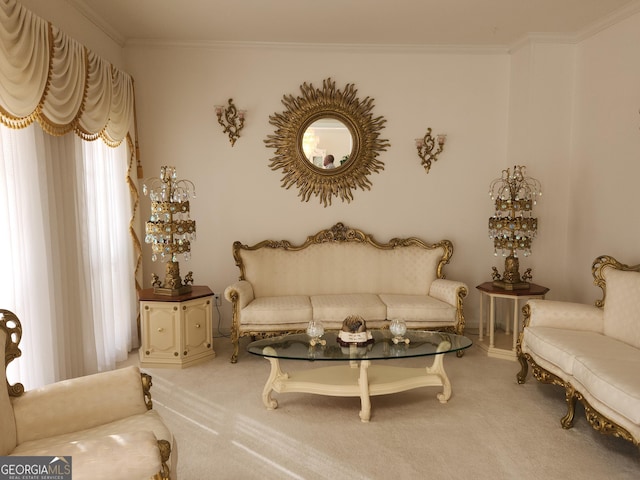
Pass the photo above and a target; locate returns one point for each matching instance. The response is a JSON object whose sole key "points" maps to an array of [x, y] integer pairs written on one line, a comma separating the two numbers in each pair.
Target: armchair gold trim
{"points": [[165, 453], [10, 323], [597, 270], [146, 389]]}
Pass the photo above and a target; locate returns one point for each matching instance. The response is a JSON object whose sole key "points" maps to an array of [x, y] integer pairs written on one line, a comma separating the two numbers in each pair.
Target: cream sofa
{"points": [[340, 272], [593, 351], [104, 421]]}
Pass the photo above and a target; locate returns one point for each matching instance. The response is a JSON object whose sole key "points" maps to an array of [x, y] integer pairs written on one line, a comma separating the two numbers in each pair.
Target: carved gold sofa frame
{"points": [[588, 321], [338, 272], [104, 421]]}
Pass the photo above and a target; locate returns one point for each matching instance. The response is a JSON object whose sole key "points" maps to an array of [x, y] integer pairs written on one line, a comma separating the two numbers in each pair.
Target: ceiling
{"points": [[368, 22]]}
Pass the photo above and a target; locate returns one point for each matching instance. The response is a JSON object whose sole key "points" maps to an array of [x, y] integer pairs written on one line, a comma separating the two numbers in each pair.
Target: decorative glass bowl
{"points": [[315, 330], [398, 328]]}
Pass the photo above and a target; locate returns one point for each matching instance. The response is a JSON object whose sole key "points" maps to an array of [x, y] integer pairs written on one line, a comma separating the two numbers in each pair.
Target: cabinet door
{"points": [[197, 333], [160, 330]]}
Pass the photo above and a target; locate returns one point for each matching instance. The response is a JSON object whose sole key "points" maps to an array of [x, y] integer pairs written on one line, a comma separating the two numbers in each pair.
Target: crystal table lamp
{"points": [[513, 227], [170, 229]]}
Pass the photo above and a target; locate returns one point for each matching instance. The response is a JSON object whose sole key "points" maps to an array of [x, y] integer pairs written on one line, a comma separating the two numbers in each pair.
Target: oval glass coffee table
{"points": [[352, 374]]}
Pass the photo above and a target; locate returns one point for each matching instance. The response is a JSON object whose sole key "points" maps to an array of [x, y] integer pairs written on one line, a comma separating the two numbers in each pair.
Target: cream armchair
{"points": [[103, 421]]}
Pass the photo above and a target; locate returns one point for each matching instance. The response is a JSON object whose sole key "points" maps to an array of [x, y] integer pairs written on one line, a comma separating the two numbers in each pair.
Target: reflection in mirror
{"points": [[326, 139]]}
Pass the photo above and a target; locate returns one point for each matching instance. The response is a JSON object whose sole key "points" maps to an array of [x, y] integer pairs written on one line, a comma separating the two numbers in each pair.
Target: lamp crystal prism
{"points": [[170, 229], [513, 226]]}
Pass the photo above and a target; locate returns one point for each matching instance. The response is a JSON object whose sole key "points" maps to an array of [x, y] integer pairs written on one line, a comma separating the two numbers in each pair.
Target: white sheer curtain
{"points": [[68, 257], [106, 218]]}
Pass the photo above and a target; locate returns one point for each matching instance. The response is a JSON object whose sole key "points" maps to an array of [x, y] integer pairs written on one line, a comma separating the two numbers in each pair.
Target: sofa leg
{"points": [[570, 397], [235, 337], [236, 348], [524, 369]]}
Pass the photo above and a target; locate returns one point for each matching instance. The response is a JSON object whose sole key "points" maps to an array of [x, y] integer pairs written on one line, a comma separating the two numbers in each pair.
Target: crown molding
{"points": [[330, 47], [91, 15], [610, 20], [613, 18], [539, 38]]}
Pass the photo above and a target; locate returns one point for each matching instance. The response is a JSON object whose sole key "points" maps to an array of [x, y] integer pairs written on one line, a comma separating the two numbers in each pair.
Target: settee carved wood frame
{"points": [[598, 421], [10, 323], [340, 233]]}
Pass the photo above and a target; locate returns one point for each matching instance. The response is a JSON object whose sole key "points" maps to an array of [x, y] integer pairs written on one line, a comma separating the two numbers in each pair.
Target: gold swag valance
{"points": [[50, 78]]}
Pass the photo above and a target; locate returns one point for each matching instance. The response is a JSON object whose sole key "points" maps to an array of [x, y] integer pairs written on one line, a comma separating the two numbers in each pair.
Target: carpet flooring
{"points": [[491, 428]]}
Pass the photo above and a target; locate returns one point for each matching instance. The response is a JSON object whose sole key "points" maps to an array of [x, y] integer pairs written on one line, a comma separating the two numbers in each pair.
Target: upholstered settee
{"points": [[104, 422], [339, 272], [592, 351]]}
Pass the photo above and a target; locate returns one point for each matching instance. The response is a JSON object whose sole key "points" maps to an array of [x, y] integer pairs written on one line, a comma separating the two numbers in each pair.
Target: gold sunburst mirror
{"points": [[321, 123]]}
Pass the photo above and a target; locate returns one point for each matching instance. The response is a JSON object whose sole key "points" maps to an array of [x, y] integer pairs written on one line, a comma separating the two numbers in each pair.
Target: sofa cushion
{"points": [[613, 381], [622, 306], [421, 308], [560, 347], [329, 308], [126, 456], [286, 309]]}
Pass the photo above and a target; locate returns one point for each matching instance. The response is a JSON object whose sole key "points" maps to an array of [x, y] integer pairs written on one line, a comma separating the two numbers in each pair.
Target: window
{"points": [[68, 266]]}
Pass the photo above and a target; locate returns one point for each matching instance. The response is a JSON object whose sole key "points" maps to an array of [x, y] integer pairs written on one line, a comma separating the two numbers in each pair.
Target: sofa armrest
{"points": [[453, 293], [448, 291], [240, 292], [78, 404], [572, 316], [126, 456]]}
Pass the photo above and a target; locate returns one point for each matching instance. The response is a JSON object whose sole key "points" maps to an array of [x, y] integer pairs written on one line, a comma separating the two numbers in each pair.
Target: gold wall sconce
{"points": [[425, 148], [231, 119]]}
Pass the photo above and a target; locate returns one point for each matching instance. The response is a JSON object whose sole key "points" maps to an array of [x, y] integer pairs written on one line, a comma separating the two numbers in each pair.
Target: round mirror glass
{"points": [[327, 143]]}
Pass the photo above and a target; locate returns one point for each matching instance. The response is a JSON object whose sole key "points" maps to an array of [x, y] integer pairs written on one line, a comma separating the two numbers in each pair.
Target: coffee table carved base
{"points": [[357, 378]]}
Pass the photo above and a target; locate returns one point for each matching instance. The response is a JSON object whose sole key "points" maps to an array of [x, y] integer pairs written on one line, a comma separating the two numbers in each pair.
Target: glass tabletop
{"points": [[298, 346]]}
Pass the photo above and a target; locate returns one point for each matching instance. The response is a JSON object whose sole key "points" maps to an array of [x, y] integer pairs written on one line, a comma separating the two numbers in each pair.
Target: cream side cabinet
{"points": [[176, 331]]}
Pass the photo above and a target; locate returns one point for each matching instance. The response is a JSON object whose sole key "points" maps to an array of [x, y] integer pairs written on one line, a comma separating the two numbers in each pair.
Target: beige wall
{"points": [[567, 111], [541, 99], [605, 167], [240, 198]]}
